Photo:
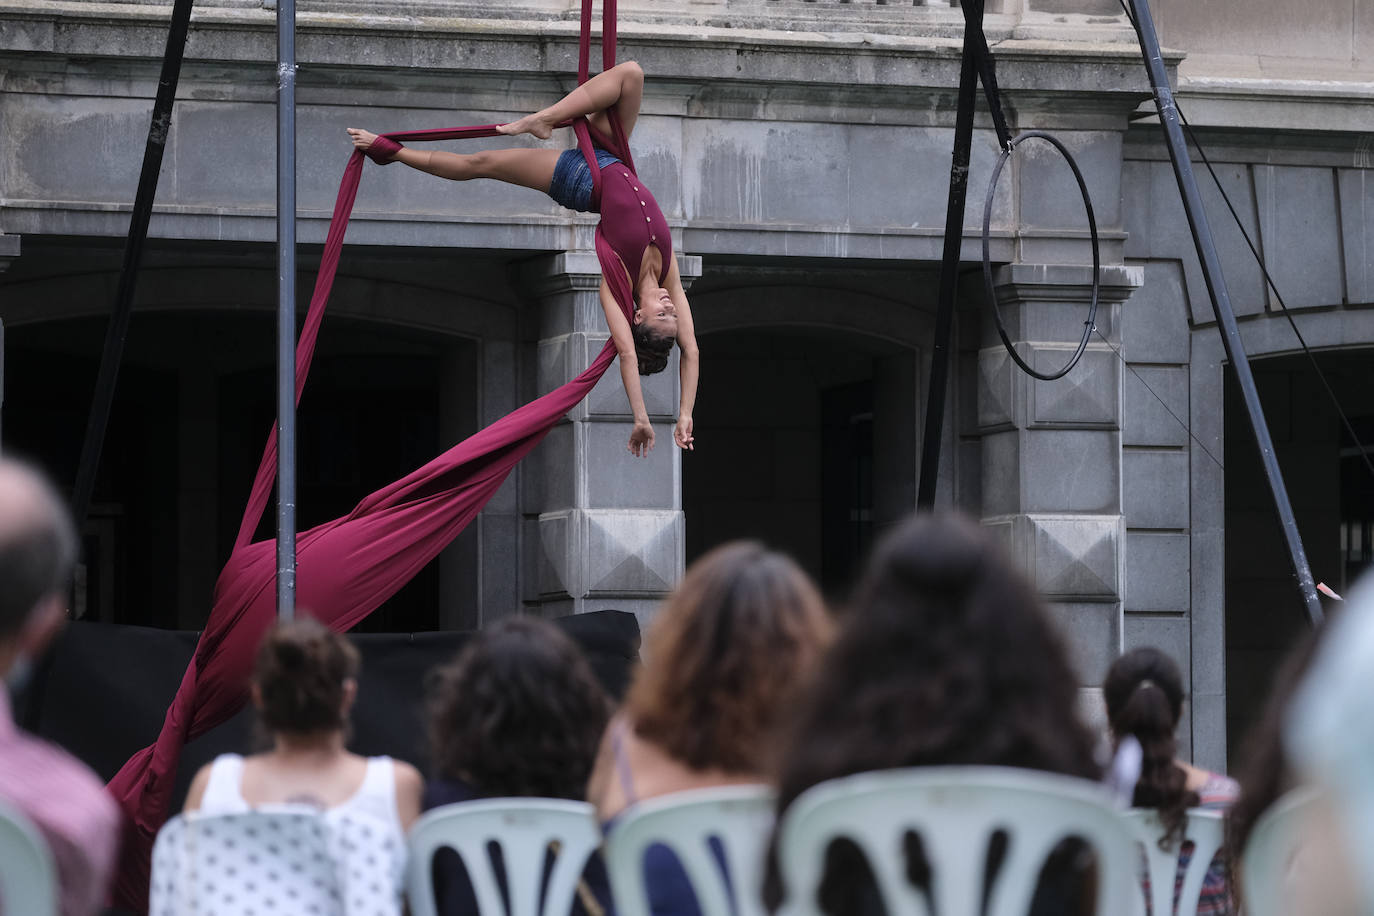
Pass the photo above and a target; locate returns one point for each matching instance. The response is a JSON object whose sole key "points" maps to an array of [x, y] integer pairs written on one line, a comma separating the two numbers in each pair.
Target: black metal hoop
{"points": [[987, 257]]}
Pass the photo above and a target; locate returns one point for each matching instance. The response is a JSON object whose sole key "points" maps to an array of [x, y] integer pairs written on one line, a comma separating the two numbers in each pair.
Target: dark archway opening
{"points": [[1332, 493], [808, 444], [192, 411]]}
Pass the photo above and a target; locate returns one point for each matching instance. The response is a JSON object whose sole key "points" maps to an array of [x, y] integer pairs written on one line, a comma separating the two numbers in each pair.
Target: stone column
{"points": [[603, 529], [1052, 451]]}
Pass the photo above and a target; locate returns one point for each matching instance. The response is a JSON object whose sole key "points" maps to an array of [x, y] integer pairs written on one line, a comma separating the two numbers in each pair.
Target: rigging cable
{"points": [[1264, 269]]}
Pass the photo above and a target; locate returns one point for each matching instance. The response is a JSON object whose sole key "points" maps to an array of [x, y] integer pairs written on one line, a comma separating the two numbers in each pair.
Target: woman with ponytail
{"points": [[303, 686], [1144, 694]]}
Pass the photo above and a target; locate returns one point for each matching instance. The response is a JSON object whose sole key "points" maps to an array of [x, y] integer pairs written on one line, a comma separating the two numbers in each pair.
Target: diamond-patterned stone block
{"points": [[1076, 556], [996, 390], [560, 549], [1088, 397], [610, 552], [633, 551]]}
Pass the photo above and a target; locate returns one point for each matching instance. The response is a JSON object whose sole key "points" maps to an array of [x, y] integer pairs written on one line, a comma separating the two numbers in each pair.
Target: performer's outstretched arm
{"points": [[689, 360], [621, 88], [642, 437]]}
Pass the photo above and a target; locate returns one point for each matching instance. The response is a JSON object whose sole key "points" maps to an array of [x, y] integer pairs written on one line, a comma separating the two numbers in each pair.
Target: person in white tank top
{"points": [[303, 686]]}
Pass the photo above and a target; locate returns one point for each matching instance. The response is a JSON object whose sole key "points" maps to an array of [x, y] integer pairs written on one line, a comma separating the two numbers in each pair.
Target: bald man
{"points": [[58, 794]]}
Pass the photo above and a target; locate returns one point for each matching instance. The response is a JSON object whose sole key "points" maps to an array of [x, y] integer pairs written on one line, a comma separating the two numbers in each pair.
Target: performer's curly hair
{"points": [[518, 713], [652, 349]]}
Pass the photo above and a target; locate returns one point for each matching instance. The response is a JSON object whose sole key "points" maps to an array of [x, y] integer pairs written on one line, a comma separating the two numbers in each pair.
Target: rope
{"points": [[1264, 269]]}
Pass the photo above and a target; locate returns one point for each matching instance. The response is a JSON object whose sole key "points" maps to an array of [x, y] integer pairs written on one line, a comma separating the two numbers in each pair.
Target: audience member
{"points": [[725, 658], [945, 657], [518, 713], [1144, 694], [1329, 737], [1265, 773], [303, 686], [60, 796]]}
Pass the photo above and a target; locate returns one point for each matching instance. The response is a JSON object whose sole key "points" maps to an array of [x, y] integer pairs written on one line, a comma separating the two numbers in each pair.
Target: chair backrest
{"points": [[1205, 830], [526, 830], [738, 818], [28, 880], [270, 860], [956, 811], [1265, 866]]}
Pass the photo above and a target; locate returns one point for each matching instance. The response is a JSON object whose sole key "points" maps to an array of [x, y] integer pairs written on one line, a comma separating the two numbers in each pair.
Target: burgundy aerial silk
{"points": [[348, 567]]}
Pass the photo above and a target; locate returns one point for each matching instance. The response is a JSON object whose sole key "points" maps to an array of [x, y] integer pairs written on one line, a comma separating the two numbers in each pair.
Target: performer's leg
{"points": [[530, 168], [621, 87]]}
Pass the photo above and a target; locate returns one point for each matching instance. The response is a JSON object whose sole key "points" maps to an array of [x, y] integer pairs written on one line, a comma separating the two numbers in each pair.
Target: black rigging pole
{"points": [[1221, 301], [976, 63], [133, 255]]}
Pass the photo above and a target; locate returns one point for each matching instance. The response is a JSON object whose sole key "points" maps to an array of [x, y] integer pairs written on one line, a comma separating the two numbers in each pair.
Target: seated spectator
{"points": [[1265, 773], [1329, 737], [1144, 694], [518, 713], [61, 797], [725, 658], [945, 657], [303, 687]]}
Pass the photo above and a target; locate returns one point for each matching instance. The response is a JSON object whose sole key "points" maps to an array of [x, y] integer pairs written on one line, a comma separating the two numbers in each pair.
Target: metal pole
{"points": [[286, 309], [1221, 302], [949, 270], [118, 329]]}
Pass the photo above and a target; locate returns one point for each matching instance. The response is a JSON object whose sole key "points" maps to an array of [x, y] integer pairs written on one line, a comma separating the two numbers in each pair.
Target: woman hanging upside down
{"points": [[631, 222]]}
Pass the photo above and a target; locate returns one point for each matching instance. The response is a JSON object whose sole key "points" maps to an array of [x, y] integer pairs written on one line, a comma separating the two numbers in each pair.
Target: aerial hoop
{"points": [[1088, 325]]}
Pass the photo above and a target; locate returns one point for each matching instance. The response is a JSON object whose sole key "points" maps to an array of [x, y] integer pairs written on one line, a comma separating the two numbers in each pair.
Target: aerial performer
{"points": [[640, 275], [346, 568]]}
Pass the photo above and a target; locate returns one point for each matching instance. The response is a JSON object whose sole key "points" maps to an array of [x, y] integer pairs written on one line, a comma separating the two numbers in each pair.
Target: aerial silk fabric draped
{"points": [[348, 567]]}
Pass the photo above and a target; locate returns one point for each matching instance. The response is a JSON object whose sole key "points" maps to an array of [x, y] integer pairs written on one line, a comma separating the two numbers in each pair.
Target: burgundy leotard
{"points": [[631, 220]]}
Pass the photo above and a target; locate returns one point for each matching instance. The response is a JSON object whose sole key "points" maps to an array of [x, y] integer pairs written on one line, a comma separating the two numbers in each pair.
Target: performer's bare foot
{"points": [[529, 124], [362, 139]]}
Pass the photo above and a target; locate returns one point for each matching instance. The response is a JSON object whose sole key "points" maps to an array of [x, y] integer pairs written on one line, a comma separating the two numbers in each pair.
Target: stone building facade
{"points": [[801, 152]]}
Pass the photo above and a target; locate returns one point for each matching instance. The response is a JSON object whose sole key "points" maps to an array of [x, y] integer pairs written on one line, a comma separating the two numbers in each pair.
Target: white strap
{"points": [[224, 791]]}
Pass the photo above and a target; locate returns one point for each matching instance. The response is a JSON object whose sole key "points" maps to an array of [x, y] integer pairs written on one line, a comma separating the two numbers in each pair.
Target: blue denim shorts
{"points": [[572, 179]]}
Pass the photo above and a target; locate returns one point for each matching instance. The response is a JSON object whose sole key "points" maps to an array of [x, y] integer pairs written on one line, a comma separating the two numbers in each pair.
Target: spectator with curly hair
{"points": [[725, 658], [1144, 694], [946, 657], [518, 713]]}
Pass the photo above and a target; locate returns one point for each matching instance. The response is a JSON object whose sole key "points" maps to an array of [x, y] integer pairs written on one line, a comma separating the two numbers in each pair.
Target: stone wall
{"points": [[800, 150]]}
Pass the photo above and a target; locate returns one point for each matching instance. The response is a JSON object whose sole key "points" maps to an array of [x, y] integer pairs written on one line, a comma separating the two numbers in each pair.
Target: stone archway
{"points": [[397, 378], [809, 417], [1332, 494]]}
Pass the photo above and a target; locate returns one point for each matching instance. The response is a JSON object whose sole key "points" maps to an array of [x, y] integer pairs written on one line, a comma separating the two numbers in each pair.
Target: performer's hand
{"points": [[682, 433], [362, 139], [642, 439]]}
